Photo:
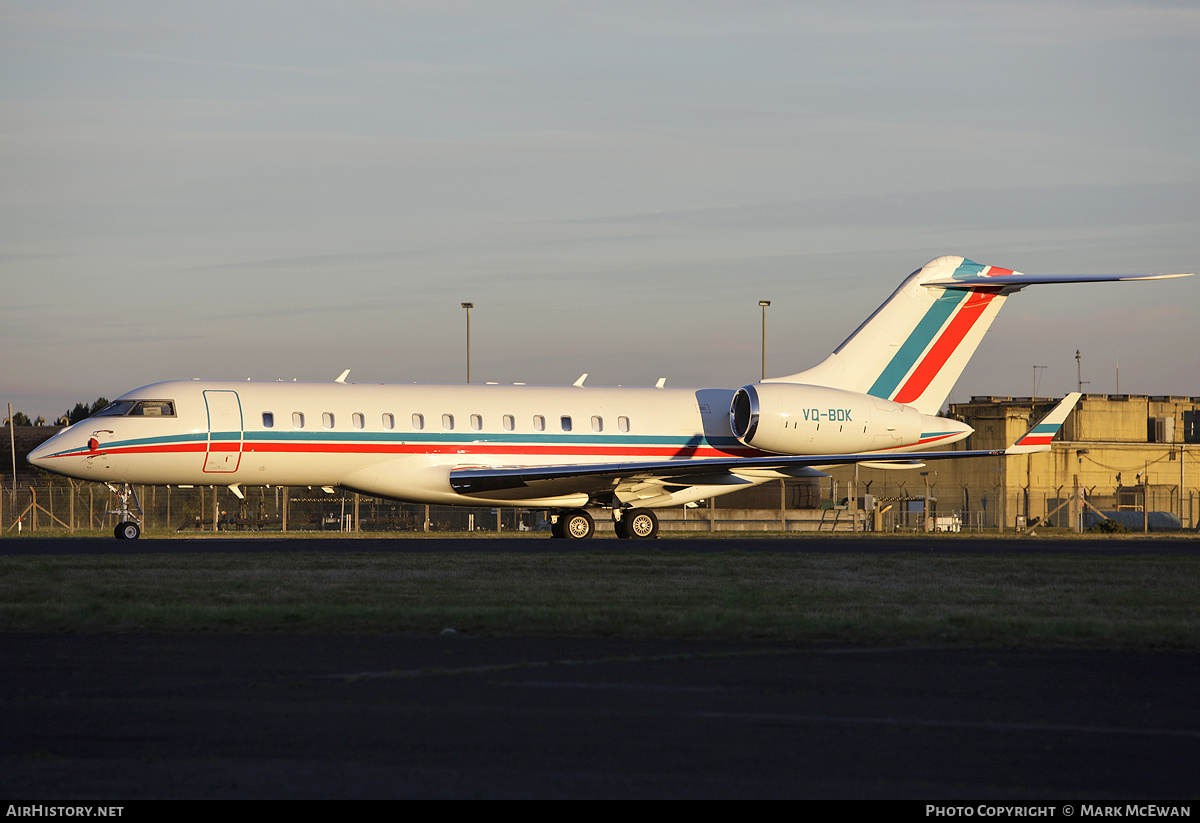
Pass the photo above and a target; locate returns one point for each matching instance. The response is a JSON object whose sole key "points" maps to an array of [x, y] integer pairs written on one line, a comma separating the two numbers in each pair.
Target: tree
{"points": [[82, 411]]}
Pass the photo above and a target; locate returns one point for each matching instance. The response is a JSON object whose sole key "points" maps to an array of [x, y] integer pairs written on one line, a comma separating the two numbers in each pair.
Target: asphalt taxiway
{"points": [[234, 716], [309, 716]]}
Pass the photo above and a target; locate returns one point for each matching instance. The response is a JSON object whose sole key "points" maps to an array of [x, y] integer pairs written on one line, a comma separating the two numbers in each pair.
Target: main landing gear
{"points": [[574, 524], [130, 526], [635, 524]]}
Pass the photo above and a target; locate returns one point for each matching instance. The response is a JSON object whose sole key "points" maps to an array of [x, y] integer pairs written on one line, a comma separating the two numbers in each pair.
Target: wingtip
{"points": [[1039, 436]]}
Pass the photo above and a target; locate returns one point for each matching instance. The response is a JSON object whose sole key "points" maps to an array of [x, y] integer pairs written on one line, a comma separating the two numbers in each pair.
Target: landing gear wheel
{"points": [[129, 515], [640, 524], [127, 531], [577, 524], [556, 528], [637, 524]]}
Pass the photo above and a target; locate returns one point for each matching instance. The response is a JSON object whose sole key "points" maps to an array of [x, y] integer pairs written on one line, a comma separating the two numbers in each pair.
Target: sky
{"points": [[290, 189]]}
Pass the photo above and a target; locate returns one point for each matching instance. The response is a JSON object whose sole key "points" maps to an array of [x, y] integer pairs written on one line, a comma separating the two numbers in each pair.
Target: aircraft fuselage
{"points": [[402, 440]]}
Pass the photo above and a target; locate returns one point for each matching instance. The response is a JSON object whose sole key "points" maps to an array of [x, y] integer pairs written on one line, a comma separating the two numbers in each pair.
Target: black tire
{"points": [[641, 524], [621, 527], [577, 524], [127, 531], [556, 528]]}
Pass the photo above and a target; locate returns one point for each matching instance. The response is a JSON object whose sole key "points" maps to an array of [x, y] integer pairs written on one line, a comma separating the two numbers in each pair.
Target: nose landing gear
{"points": [[130, 525], [127, 531]]}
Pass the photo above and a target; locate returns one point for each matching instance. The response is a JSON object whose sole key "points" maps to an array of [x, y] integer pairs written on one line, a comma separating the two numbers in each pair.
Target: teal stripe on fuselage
{"points": [[474, 437], [542, 439]]}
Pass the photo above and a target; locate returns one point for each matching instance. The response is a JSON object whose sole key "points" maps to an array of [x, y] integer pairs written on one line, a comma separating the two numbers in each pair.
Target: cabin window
{"points": [[418, 422], [297, 420], [476, 422], [268, 420], [566, 422], [327, 420], [357, 420], [539, 423], [597, 424], [623, 424], [448, 422], [389, 421], [509, 423]]}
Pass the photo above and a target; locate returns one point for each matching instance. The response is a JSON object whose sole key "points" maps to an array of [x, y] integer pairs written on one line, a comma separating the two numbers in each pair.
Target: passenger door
{"points": [[224, 431]]}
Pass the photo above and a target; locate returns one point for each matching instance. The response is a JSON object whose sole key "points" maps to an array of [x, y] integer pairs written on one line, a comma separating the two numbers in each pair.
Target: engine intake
{"points": [[792, 418], [743, 413]]}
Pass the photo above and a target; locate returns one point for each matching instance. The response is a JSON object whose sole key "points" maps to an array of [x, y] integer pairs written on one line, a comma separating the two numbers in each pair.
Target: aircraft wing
{"points": [[522, 482], [526, 482]]}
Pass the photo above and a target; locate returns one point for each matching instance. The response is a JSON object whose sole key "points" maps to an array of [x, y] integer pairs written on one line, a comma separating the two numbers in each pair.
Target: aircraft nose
{"points": [[39, 456], [42, 455]]}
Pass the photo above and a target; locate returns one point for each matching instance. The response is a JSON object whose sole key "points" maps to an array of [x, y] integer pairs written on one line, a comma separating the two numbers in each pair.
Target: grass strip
{"points": [[1143, 602]]}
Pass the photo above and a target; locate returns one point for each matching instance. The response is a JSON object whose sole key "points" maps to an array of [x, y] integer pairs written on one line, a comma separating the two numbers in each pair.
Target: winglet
{"points": [[1038, 438]]}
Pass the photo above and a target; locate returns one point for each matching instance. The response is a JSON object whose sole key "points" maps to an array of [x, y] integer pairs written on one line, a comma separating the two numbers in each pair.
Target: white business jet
{"points": [[575, 449]]}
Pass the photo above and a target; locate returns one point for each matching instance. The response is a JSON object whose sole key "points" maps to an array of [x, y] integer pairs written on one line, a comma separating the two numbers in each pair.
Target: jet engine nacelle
{"points": [[792, 418]]}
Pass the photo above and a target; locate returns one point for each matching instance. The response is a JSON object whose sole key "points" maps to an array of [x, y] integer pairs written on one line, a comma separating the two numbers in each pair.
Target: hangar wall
{"points": [[1120, 449]]}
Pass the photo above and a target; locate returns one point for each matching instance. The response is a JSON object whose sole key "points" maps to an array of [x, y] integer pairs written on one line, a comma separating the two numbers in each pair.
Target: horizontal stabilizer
{"points": [[1020, 280], [913, 348]]}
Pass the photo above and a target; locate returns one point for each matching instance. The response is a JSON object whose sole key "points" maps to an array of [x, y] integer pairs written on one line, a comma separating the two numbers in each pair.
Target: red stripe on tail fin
{"points": [[943, 347]]}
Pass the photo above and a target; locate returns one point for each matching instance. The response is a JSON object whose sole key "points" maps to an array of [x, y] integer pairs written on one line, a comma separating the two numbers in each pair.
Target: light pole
{"points": [[1035, 379], [468, 307], [764, 304]]}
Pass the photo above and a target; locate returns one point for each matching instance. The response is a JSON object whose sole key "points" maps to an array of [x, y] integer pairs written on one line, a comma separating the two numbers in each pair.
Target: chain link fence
{"points": [[88, 507]]}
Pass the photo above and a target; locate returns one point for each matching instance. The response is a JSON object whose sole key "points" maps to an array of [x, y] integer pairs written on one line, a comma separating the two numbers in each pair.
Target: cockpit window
{"points": [[153, 408], [115, 409], [138, 408]]}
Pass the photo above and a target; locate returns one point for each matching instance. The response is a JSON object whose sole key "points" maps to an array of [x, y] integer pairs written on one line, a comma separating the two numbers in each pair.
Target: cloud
{"points": [[1016, 209]]}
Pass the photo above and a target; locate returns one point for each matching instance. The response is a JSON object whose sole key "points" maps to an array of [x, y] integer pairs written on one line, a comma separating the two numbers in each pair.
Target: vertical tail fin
{"points": [[914, 347]]}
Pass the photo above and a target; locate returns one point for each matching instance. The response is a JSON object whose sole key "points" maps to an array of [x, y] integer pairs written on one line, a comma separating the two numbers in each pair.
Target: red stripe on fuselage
{"points": [[425, 448]]}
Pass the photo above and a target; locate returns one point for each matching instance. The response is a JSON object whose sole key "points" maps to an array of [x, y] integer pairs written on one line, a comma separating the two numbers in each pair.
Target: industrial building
{"points": [[1117, 453], [1131, 454]]}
